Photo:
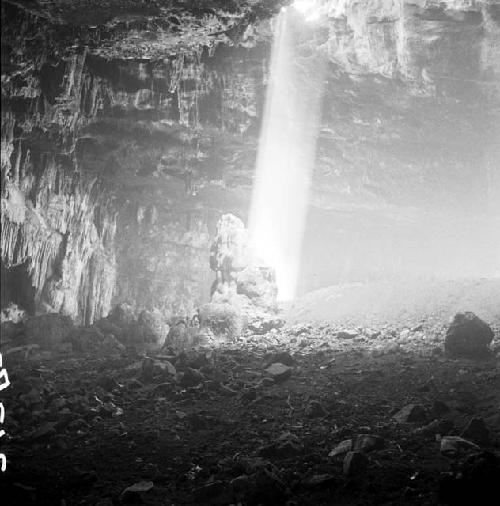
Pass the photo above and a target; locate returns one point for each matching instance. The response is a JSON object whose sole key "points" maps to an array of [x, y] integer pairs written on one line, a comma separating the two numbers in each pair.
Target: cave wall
{"points": [[127, 132], [90, 141], [163, 259]]}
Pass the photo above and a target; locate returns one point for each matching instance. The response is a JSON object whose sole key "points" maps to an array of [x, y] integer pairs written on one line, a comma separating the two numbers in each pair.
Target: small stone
{"points": [[133, 493], [319, 481], [45, 430], [279, 372], [368, 442], [342, 448], [435, 427], [107, 383], [148, 368], [267, 382], [355, 464], [192, 377], [77, 424], [248, 394], [467, 336], [452, 446], [282, 357], [476, 431], [315, 410], [347, 334], [105, 502], [286, 446], [413, 413], [216, 492], [439, 408]]}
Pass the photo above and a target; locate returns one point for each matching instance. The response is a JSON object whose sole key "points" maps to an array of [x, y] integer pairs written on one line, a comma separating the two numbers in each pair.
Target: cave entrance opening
{"points": [[16, 288]]}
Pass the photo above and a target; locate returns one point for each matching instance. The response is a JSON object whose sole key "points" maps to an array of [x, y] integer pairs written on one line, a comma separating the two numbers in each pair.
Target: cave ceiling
{"points": [[163, 100]]}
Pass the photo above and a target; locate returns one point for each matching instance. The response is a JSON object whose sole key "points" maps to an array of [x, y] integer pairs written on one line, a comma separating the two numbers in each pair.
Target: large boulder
{"points": [[468, 336], [223, 319], [49, 330], [122, 315], [154, 326], [245, 288]]}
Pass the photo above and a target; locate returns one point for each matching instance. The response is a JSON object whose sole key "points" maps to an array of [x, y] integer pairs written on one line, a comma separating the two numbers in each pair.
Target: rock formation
{"points": [[244, 288], [468, 336]]}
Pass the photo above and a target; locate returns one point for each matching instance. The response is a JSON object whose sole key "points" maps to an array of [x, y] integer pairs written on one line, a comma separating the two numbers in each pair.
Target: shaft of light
{"points": [[287, 148]]}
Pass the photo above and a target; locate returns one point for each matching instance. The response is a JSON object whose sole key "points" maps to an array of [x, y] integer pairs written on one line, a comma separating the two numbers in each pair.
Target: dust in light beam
{"points": [[287, 147]]}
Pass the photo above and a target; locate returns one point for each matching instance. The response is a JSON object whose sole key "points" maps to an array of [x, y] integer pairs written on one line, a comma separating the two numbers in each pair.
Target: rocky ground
{"points": [[305, 414]]}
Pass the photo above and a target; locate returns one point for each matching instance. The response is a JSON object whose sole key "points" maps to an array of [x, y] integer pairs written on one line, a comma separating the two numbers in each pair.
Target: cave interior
{"points": [[250, 252]]}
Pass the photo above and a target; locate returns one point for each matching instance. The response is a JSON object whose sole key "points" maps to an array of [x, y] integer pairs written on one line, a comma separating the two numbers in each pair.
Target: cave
{"points": [[250, 252]]}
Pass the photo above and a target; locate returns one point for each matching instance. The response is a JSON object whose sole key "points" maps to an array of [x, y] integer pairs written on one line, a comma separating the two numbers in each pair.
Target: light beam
{"points": [[286, 154]]}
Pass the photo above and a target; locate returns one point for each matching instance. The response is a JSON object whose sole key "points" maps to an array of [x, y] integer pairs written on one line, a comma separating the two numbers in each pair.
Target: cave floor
{"points": [[84, 428]]}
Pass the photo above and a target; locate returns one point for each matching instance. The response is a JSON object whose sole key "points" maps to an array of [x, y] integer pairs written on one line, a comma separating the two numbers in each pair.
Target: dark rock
{"points": [[413, 413], [474, 482], [48, 330], [286, 446], [216, 492], [439, 408], [368, 442], [282, 357], [192, 377], [315, 410], [468, 336], [248, 394], [262, 487], [476, 431], [87, 340], [355, 464], [153, 327], [44, 431], [148, 368]]}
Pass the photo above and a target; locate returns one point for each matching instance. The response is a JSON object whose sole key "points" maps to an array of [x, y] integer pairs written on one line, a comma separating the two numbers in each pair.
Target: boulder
{"points": [[412, 413], [223, 318], [453, 446], [467, 336], [476, 431], [48, 330], [87, 340], [355, 464], [122, 315], [279, 372], [368, 442], [154, 327]]}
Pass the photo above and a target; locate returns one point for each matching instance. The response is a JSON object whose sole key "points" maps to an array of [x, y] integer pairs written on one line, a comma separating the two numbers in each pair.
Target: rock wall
{"points": [[163, 260], [60, 227]]}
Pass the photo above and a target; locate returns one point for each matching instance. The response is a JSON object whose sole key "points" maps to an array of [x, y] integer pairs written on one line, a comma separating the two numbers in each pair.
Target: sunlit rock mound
{"points": [[244, 291], [400, 300]]}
